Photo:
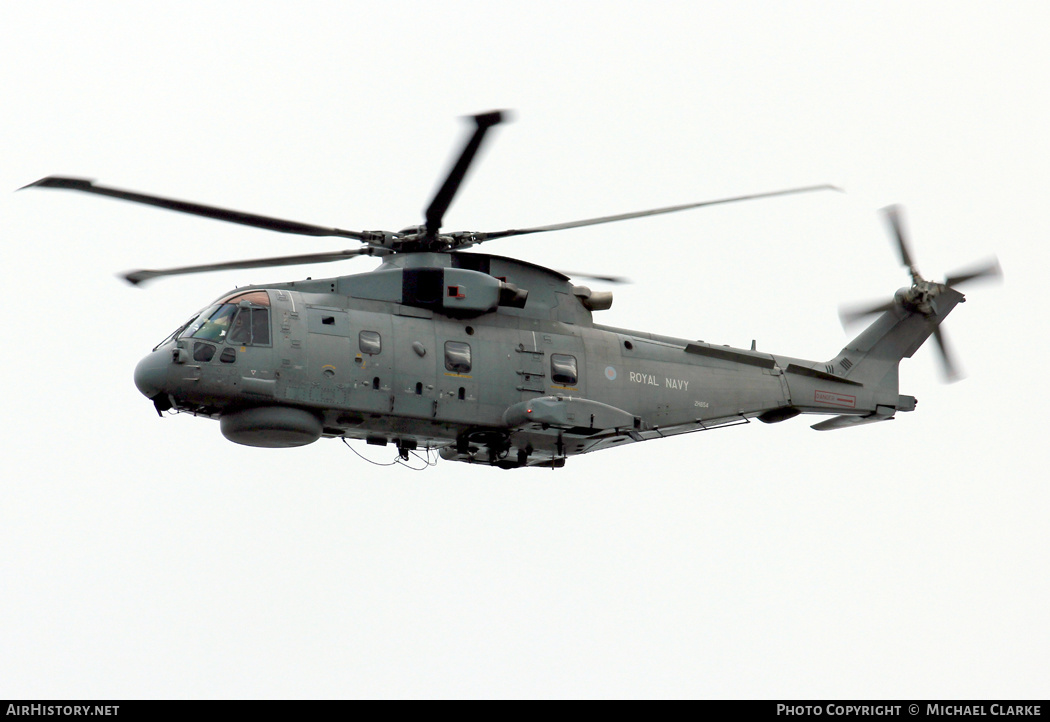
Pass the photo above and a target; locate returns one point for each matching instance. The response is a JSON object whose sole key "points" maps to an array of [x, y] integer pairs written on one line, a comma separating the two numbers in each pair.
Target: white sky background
{"points": [[146, 557]]}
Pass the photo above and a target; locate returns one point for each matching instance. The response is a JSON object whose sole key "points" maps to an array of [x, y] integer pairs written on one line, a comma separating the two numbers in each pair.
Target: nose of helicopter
{"points": [[152, 372]]}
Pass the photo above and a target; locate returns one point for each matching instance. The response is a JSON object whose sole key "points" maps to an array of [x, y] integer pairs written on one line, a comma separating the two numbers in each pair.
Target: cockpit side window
{"points": [[251, 327], [241, 329], [261, 326]]}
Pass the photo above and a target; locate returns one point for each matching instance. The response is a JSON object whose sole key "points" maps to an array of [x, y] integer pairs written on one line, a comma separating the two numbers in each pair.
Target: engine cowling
{"points": [[451, 291]]}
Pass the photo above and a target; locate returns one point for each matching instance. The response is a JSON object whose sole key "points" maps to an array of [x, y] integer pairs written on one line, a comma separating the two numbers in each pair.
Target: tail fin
{"points": [[873, 356], [870, 361], [863, 377]]}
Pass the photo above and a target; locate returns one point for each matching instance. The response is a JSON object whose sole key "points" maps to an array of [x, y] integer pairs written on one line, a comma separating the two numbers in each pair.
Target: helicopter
{"points": [[491, 360]]}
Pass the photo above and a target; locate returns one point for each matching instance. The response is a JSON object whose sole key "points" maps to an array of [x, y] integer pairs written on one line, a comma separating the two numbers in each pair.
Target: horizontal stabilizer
{"points": [[847, 420]]}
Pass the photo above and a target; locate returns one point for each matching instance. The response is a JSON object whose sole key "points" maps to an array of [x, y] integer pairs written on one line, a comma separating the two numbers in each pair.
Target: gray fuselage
{"points": [[373, 357]]}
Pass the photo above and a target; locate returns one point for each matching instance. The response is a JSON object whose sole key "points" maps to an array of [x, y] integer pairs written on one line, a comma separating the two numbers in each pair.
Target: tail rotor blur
{"points": [[921, 296]]}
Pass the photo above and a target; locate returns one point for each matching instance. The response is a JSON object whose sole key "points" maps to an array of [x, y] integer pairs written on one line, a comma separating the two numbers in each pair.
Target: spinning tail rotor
{"points": [[921, 297]]}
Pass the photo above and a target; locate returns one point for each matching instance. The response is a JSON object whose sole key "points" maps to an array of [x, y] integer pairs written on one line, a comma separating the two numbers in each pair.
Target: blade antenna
{"points": [[435, 212]]}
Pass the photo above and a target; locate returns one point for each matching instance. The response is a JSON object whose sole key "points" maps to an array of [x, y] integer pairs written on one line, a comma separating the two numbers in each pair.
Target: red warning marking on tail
{"points": [[833, 398]]}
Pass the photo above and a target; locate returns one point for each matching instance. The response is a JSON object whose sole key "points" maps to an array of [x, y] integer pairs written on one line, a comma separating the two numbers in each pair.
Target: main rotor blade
{"points": [[948, 365], [137, 277], [989, 269], [593, 277], [443, 199], [893, 217], [481, 237], [197, 209]]}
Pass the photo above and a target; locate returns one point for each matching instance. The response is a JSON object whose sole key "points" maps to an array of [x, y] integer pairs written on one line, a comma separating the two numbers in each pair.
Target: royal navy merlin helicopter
{"points": [[492, 360]]}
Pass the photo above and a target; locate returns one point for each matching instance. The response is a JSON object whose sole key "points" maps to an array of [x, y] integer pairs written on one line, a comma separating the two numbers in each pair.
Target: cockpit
{"points": [[241, 319], [234, 327]]}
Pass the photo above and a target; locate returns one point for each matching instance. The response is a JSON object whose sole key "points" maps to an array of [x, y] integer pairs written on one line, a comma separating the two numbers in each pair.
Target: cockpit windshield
{"points": [[242, 319], [177, 333], [213, 324]]}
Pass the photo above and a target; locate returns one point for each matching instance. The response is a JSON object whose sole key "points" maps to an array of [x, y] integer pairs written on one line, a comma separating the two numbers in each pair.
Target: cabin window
{"points": [[370, 342], [457, 357], [563, 369], [251, 327]]}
